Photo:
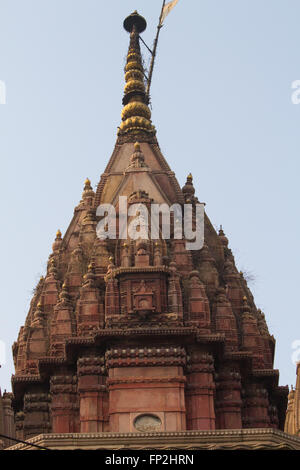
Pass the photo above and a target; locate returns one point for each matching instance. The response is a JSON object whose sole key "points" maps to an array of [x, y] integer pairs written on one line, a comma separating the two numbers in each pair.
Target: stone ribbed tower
{"points": [[292, 420], [131, 335]]}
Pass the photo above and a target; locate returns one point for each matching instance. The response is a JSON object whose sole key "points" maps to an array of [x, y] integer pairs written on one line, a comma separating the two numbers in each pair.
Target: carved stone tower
{"points": [[128, 335]]}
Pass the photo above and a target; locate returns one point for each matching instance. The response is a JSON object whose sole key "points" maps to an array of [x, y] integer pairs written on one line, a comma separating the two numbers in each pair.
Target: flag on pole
{"points": [[166, 10]]}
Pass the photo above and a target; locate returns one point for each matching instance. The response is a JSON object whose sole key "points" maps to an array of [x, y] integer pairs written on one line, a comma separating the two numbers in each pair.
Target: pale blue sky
{"points": [[222, 106]]}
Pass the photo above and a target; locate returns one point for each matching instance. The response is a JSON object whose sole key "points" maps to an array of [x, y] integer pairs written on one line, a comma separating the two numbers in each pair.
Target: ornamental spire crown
{"points": [[136, 115]]}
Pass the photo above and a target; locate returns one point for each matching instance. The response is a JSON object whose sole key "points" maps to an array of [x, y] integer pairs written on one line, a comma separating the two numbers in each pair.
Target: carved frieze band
{"points": [[92, 365], [132, 357], [145, 380], [221, 405], [200, 362], [63, 384], [229, 380], [36, 402]]}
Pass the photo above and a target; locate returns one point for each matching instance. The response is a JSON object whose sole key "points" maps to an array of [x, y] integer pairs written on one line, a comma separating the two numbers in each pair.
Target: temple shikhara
{"points": [[143, 342], [292, 422]]}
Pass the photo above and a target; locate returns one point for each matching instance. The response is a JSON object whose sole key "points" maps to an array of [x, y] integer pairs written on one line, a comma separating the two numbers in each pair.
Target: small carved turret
{"points": [[208, 271], [88, 194], [51, 286], [251, 340], [223, 238], [225, 320], [157, 257], [90, 309], [174, 293], [38, 317], [89, 278], [58, 241], [63, 324], [125, 255], [137, 159], [88, 227], [142, 253], [188, 189], [199, 310]]}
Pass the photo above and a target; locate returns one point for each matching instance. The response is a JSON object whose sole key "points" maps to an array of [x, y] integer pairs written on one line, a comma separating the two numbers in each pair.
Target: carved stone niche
{"points": [[147, 423], [143, 300]]}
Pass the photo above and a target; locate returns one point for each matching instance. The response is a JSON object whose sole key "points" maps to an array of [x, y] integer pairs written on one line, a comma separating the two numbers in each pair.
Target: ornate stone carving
{"points": [[132, 357], [147, 422]]}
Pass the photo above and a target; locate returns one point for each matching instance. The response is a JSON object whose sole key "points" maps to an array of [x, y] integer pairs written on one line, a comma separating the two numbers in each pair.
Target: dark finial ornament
{"points": [[135, 20]]}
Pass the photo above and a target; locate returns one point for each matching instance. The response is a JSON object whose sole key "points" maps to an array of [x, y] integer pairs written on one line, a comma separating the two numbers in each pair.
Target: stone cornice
{"points": [[210, 338], [148, 356], [238, 355], [25, 378], [20, 383], [51, 360], [247, 439], [145, 380], [282, 390], [265, 372], [270, 376], [110, 333], [132, 269]]}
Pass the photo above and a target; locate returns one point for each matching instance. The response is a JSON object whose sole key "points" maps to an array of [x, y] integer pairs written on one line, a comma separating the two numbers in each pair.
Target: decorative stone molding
{"points": [[63, 384], [36, 414], [93, 365], [165, 356], [146, 380], [243, 439], [255, 406], [230, 380], [200, 362]]}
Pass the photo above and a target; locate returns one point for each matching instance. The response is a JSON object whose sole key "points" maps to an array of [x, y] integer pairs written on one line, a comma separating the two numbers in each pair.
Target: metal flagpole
{"points": [[154, 50]]}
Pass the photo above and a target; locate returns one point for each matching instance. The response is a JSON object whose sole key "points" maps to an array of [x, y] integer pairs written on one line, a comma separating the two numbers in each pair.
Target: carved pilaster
{"points": [[19, 420], [274, 420], [255, 407], [7, 418], [64, 407], [200, 391], [228, 399], [36, 410], [92, 394]]}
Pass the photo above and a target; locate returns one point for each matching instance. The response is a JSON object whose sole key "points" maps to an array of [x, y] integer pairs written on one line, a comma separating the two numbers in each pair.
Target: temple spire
{"points": [[136, 115]]}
